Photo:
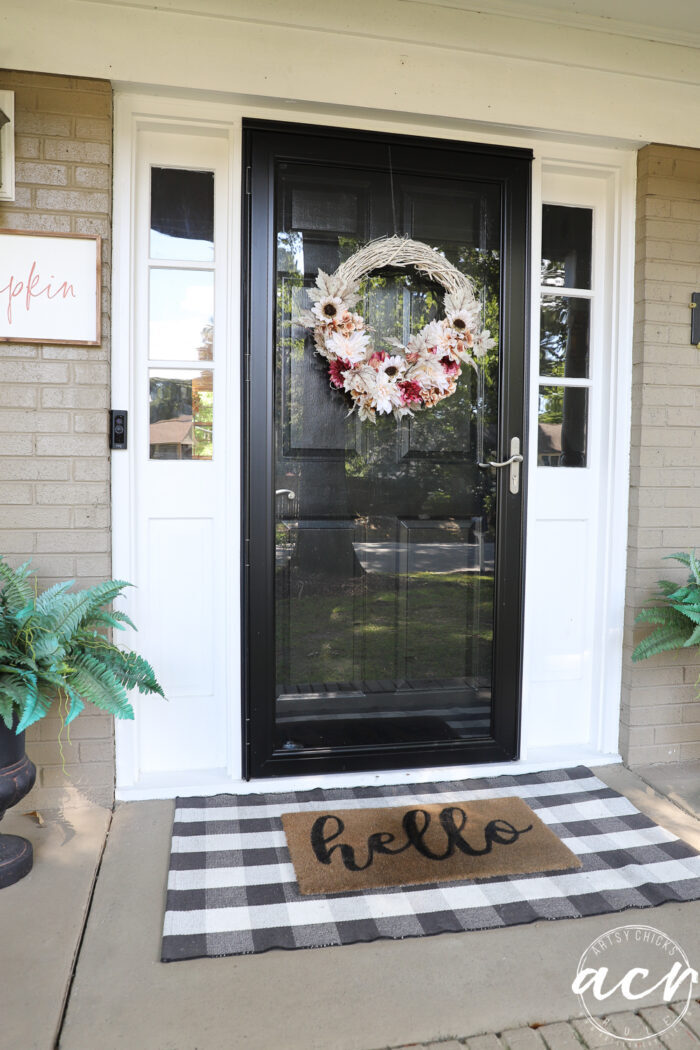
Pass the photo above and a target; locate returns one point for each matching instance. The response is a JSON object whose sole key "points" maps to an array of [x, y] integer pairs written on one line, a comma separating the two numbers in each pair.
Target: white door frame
{"points": [[613, 168]]}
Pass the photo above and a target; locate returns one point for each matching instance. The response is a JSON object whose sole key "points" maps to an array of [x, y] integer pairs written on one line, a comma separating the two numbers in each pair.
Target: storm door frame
{"points": [[264, 143]]}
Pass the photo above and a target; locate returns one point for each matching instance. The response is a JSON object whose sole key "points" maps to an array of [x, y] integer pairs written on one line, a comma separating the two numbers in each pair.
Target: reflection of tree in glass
{"points": [[551, 404], [564, 336]]}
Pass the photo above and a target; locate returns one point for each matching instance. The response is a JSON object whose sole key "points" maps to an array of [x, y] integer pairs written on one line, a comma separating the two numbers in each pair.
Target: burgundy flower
{"points": [[337, 371], [451, 367], [410, 392]]}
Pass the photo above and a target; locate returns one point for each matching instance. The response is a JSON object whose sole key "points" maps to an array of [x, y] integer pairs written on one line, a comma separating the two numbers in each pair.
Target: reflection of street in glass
{"points": [[181, 414]]}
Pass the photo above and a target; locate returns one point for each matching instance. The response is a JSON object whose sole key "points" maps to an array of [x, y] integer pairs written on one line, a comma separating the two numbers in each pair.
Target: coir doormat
{"points": [[232, 888], [357, 849]]}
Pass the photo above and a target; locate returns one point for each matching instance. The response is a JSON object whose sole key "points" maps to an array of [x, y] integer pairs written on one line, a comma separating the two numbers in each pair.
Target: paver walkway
{"points": [[627, 1029]]}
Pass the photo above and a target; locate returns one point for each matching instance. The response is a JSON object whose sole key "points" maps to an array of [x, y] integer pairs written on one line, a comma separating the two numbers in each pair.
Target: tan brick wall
{"points": [[54, 458], [660, 719]]}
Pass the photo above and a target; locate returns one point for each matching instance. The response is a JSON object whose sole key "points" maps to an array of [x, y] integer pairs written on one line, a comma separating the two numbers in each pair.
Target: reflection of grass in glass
{"points": [[429, 634]]}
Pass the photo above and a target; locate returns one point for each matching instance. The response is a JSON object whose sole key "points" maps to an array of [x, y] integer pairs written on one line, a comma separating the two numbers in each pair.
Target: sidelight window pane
{"points": [[181, 315], [181, 413], [564, 336], [562, 426], [182, 214], [567, 235]]}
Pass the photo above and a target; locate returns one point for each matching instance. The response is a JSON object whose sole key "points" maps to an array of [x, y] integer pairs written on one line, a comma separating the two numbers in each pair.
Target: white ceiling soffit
{"points": [[667, 21]]}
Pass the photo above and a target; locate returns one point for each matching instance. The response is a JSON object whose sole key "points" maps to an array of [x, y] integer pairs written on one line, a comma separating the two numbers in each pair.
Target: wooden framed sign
{"points": [[50, 288]]}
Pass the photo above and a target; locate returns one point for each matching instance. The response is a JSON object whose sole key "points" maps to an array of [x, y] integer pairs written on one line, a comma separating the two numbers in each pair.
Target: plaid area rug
{"points": [[232, 890]]}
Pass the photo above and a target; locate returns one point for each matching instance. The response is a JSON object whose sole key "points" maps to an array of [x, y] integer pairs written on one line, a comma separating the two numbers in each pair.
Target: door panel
{"points": [[384, 574]]}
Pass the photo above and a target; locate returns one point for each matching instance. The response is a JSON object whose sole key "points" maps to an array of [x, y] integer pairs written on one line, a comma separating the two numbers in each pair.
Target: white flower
{"points": [[366, 412], [483, 343], [430, 337], [428, 373], [352, 348], [331, 286], [393, 367], [329, 309], [462, 321], [461, 300], [375, 387]]}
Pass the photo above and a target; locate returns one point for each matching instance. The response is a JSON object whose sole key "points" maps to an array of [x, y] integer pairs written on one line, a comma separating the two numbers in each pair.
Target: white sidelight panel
{"points": [[574, 420], [179, 455]]}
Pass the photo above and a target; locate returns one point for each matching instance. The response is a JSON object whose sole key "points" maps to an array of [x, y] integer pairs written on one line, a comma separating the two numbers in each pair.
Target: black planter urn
{"points": [[17, 776]]}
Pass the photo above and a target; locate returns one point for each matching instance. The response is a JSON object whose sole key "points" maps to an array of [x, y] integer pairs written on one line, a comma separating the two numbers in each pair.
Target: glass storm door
{"points": [[384, 560]]}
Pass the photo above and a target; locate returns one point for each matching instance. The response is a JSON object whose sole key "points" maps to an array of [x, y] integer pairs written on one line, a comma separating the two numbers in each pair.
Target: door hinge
{"points": [[248, 174]]}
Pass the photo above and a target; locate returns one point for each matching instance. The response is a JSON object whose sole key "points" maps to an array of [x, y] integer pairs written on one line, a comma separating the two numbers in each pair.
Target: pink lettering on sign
{"points": [[29, 290]]}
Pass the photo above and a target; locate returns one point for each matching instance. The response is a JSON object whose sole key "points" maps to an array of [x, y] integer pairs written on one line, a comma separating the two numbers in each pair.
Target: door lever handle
{"points": [[285, 492], [513, 459], [513, 462]]}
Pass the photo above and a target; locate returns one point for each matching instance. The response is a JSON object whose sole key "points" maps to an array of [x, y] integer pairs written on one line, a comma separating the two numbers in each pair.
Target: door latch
{"points": [[513, 462]]}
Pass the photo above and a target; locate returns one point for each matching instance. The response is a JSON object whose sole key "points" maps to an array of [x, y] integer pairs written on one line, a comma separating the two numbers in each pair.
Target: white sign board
{"points": [[49, 288]]}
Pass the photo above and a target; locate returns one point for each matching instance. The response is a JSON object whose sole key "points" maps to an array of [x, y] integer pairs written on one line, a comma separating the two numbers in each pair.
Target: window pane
{"points": [[566, 246], [564, 336], [562, 427], [181, 414], [182, 214], [181, 315]]}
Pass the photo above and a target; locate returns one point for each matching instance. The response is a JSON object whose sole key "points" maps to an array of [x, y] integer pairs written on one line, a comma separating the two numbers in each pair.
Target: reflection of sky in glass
{"points": [[181, 313], [163, 246]]}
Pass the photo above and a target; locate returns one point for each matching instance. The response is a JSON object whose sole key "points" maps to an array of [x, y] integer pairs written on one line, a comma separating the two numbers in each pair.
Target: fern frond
{"points": [[46, 599], [13, 690], [694, 567], [97, 684], [663, 614], [17, 586], [131, 669], [680, 556], [112, 619], [47, 645], [35, 705], [659, 641], [694, 638], [6, 711], [657, 614], [68, 612], [76, 704]]}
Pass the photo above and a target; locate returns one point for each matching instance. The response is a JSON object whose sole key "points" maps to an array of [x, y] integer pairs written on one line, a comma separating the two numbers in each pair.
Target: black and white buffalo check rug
{"points": [[232, 889]]}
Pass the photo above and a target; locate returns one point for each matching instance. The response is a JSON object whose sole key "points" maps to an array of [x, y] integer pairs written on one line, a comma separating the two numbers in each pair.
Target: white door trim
{"points": [[616, 167]]}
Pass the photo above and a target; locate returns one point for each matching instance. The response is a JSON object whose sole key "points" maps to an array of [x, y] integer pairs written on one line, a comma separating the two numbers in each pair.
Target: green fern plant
{"points": [[676, 617], [53, 648]]}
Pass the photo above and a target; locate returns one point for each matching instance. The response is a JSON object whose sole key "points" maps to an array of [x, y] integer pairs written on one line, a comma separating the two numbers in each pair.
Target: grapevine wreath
{"points": [[409, 378]]}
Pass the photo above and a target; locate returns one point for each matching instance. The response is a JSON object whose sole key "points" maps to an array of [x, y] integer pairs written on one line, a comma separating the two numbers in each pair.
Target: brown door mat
{"points": [[336, 851]]}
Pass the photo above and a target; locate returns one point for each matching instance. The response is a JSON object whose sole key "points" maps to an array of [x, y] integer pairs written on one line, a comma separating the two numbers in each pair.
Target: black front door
{"points": [[384, 560]]}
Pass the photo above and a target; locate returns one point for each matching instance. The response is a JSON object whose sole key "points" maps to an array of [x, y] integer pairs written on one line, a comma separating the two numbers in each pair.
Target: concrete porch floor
{"points": [[80, 948]]}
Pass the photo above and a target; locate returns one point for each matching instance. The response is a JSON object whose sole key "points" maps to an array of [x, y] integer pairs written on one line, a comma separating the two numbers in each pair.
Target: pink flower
{"points": [[377, 357], [451, 367], [336, 370], [410, 393]]}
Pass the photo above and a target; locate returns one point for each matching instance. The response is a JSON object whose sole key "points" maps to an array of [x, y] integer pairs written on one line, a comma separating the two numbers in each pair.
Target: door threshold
{"points": [[216, 781]]}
